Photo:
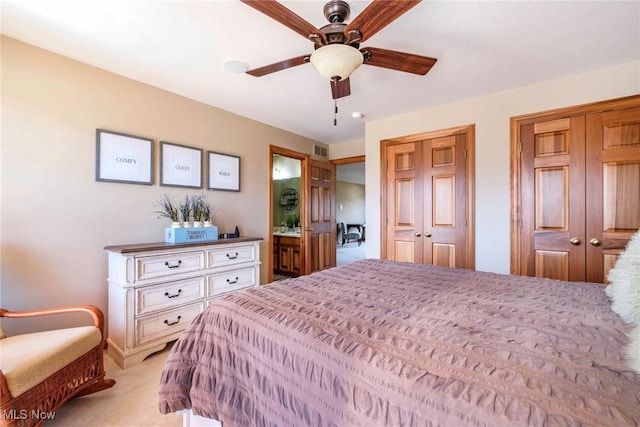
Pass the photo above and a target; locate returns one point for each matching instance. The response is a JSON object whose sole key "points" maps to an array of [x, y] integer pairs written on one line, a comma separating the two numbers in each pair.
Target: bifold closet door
{"points": [[613, 187], [553, 199], [580, 194], [426, 201]]}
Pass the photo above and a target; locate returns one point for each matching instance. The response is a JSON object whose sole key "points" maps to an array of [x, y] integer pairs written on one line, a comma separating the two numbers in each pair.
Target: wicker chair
{"points": [[41, 371]]}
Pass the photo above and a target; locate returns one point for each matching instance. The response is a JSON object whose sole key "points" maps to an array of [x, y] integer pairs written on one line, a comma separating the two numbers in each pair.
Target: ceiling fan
{"points": [[337, 45]]}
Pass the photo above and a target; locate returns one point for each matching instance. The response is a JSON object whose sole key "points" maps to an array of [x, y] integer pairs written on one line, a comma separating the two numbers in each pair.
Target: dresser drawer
{"points": [[230, 281], [219, 257], [158, 297], [160, 325], [152, 267]]}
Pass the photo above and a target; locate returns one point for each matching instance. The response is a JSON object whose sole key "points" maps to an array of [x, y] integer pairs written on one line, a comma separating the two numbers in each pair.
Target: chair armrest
{"points": [[95, 312]]}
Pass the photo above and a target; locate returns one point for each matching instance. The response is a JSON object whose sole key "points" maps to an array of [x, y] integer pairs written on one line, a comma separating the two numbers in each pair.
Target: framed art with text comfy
{"points": [[123, 158]]}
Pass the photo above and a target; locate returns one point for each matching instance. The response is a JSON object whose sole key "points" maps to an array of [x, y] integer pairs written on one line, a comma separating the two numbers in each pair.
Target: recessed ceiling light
{"points": [[235, 66], [357, 115]]}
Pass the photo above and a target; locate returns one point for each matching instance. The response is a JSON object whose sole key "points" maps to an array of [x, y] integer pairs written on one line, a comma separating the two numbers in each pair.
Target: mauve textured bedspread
{"points": [[378, 343]]}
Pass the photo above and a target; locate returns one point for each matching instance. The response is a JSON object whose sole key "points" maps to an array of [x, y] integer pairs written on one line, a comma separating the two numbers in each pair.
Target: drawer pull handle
{"points": [[166, 294], [233, 282], [175, 265], [172, 323], [232, 256]]}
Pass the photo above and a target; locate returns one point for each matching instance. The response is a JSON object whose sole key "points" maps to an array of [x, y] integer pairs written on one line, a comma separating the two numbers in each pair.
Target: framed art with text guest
{"points": [[180, 165], [224, 172], [123, 158]]}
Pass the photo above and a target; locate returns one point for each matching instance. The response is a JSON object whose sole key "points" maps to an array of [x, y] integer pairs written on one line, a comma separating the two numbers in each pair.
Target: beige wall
{"points": [[491, 116], [56, 218], [350, 197], [346, 149]]}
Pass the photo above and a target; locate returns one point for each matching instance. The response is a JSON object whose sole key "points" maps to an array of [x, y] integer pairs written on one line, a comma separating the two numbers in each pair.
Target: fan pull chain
{"points": [[335, 112]]}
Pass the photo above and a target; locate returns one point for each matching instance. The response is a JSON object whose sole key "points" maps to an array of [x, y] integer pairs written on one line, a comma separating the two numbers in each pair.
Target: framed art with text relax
{"points": [[180, 166], [224, 172], [123, 158]]}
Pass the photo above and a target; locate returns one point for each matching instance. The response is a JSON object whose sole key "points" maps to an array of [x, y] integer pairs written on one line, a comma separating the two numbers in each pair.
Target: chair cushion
{"points": [[354, 230], [28, 359]]}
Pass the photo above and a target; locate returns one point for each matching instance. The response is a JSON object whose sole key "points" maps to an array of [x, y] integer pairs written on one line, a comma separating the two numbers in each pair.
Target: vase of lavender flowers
{"points": [[168, 209], [198, 207], [185, 212]]}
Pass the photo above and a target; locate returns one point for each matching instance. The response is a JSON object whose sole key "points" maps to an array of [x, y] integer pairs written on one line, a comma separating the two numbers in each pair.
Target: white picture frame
{"points": [[180, 165], [123, 158], [224, 172]]}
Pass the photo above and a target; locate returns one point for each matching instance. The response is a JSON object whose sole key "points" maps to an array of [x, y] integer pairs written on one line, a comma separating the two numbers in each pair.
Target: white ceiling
{"points": [[180, 46], [351, 172]]}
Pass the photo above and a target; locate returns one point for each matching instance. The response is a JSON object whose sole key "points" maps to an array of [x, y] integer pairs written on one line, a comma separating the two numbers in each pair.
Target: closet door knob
{"points": [[417, 234], [575, 241], [595, 242], [427, 234]]}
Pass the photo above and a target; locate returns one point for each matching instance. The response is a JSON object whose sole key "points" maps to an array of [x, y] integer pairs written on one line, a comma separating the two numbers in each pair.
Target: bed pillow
{"points": [[624, 290]]}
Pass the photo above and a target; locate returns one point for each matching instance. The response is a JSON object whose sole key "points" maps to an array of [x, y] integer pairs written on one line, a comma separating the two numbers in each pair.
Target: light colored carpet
{"points": [[132, 402], [349, 252]]}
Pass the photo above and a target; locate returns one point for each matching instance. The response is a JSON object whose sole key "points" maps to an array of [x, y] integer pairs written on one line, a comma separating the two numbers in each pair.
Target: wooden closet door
{"points": [[404, 207], [613, 187], [426, 201], [444, 217], [553, 199]]}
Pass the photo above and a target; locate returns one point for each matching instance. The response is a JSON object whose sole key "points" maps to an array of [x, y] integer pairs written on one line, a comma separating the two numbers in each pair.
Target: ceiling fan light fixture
{"points": [[235, 66], [336, 60]]}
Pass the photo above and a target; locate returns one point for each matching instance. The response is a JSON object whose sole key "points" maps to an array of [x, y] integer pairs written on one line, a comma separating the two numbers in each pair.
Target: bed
{"points": [[381, 343]]}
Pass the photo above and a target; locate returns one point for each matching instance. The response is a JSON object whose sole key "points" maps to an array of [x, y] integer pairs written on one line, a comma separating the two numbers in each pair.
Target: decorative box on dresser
{"points": [[157, 289]]}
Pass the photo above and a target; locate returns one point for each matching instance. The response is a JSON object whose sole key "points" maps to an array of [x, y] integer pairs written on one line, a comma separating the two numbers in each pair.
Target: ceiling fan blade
{"points": [[340, 89], [278, 66], [378, 15], [400, 61], [278, 12]]}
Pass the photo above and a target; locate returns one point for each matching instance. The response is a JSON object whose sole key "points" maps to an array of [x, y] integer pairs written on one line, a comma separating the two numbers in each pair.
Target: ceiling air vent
{"points": [[320, 151]]}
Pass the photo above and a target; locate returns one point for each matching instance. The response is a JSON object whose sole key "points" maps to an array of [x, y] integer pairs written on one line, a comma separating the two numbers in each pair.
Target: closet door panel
{"points": [[404, 207], [444, 174], [553, 200], [613, 187]]}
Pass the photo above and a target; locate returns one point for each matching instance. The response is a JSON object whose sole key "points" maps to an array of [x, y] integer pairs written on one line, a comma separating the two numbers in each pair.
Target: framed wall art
{"points": [[180, 166], [224, 172], [123, 158]]}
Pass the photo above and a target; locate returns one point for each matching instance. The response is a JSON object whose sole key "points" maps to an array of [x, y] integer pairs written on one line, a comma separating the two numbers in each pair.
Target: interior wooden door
{"points": [[320, 224], [613, 187], [426, 205], [553, 199], [404, 209], [444, 203], [576, 189]]}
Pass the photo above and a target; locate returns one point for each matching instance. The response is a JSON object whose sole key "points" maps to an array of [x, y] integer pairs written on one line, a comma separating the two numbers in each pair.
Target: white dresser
{"points": [[157, 289]]}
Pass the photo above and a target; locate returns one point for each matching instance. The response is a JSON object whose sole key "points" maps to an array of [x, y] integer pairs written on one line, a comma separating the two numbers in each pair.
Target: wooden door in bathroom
{"points": [[319, 230], [317, 213]]}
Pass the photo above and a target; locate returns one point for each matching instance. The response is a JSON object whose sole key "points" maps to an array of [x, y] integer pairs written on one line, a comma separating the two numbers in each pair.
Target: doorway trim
{"points": [[304, 158], [516, 162], [469, 132], [348, 160]]}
